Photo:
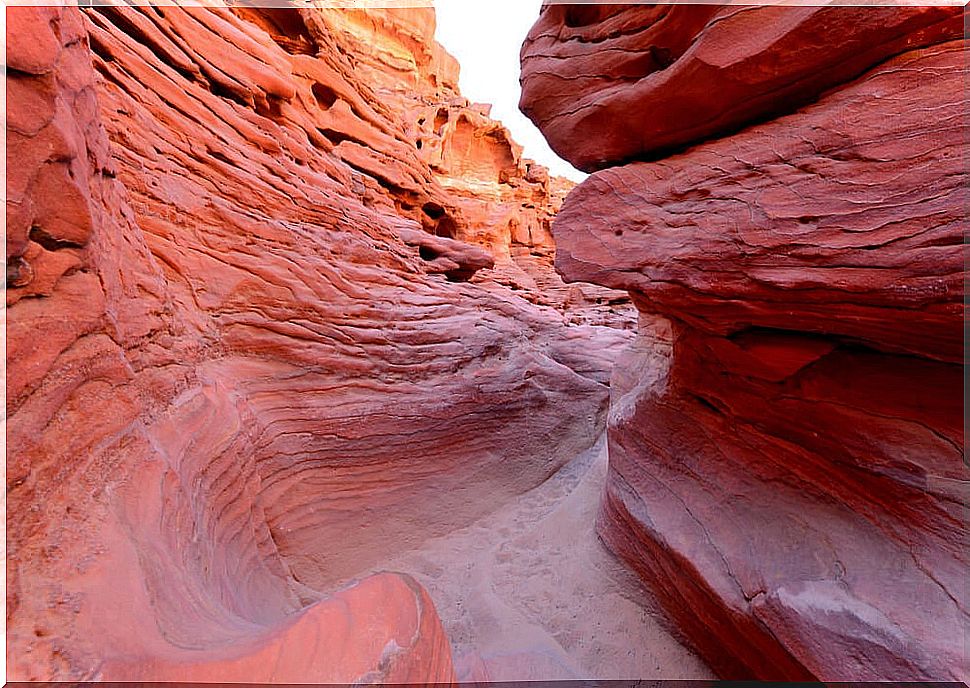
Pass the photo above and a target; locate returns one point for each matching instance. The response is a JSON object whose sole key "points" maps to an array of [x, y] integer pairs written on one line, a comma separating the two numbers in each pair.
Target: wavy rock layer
{"points": [[238, 372], [481, 190], [785, 437]]}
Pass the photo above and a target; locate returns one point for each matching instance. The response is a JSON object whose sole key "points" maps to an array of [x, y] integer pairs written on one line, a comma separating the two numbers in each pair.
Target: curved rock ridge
{"points": [[608, 84], [787, 466], [236, 376]]}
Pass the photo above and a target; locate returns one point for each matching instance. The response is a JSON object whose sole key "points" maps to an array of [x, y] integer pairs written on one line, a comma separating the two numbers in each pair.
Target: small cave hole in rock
{"points": [[446, 227], [440, 120], [19, 272], [324, 95], [662, 57], [427, 253], [334, 136], [433, 210], [50, 242]]}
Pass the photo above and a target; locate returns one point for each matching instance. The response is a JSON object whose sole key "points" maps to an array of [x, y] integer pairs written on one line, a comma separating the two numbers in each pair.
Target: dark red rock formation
{"points": [[637, 81], [234, 381], [786, 452]]}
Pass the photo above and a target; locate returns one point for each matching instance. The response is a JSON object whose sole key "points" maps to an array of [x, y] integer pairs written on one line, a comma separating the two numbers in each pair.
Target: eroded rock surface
{"points": [[786, 451], [493, 197], [613, 83], [234, 381]]}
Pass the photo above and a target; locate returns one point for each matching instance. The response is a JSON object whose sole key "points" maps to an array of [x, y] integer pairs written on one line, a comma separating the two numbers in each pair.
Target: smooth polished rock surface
{"points": [[613, 83]]}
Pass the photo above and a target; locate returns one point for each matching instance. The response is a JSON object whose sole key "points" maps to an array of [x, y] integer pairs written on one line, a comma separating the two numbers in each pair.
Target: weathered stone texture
{"points": [[786, 447]]}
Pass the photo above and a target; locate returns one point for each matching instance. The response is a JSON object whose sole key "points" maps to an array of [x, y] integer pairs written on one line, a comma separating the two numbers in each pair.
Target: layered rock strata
{"points": [[240, 370], [786, 451], [493, 197]]}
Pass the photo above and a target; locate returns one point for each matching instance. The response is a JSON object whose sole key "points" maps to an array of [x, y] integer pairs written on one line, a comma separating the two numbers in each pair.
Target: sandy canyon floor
{"points": [[529, 592]]}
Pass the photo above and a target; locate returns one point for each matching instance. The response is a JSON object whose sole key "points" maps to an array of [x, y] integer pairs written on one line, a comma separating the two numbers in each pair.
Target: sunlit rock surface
{"points": [[493, 197], [786, 450], [238, 376]]}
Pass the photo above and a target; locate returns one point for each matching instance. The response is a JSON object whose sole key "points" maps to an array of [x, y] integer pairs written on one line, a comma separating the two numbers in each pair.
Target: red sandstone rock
{"points": [[786, 452], [492, 196], [796, 525], [393, 632], [614, 83], [232, 385], [456, 259], [834, 220], [482, 190]]}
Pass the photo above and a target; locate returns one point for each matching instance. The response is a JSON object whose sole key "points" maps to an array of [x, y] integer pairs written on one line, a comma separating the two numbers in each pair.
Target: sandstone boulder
{"points": [[614, 83]]}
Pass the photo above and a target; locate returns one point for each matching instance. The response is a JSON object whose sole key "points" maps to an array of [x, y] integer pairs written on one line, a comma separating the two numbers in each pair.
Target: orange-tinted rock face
{"points": [[786, 451], [238, 373], [493, 197]]}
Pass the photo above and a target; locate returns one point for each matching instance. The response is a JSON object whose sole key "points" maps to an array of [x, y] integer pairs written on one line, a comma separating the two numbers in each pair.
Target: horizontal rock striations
{"points": [[241, 364], [493, 196], [786, 449]]}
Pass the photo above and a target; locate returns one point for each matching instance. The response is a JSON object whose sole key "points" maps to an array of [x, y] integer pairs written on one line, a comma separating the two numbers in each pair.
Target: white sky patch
{"points": [[486, 38]]}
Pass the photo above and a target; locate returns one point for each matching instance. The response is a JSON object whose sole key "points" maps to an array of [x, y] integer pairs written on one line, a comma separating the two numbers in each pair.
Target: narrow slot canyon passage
{"points": [[352, 419], [313, 376]]}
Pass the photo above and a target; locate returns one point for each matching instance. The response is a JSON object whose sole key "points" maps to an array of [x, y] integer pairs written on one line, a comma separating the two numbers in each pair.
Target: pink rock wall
{"points": [[236, 375]]}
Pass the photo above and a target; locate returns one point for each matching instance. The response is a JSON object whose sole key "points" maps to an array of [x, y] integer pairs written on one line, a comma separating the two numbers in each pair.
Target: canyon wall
{"points": [[783, 192], [252, 344]]}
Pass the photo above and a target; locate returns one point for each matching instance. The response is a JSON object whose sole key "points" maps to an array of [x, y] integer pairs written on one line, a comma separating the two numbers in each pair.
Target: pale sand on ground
{"points": [[531, 593]]}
